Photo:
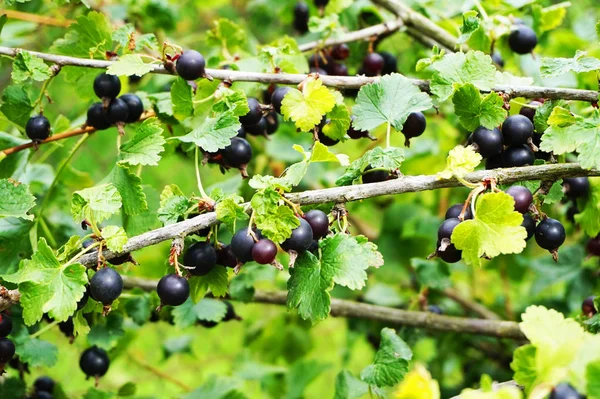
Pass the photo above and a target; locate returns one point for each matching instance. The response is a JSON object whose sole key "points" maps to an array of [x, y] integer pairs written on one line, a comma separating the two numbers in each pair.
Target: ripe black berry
{"points": [[447, 227], [117, 111], [319, 222], [314, 246], [455, 210], [522, 196], [576, 187], [43, 395], [529, 225], [565, 391], [277, 98], [588, 307], [497, 59], [264, 251], [238, 153], [106, 285], [5, 325], [44, 383], [96, 117], [522, 40], [340, 52], [519, 155], [321, 3], [272, 122], [173, 290], [202, 256], [254, 115], [38, 128], [225, 256], [529, 112], [84, 299], [373, 64], [593, 247], [241, 245], [489, 142], [230, 315], [318, 70], [107, 86], [135, 107], [356, 134], [571, 212], [550, 234], [415, 125], [450, 254], [517, 129], [390, 63], [190, 65], [494, 162], [121, 259], [94, 362], [7, 350], [67, 328], [337, 69], [301, 238], [371, 175], [326, 140], [301, 14], [258, 129]]}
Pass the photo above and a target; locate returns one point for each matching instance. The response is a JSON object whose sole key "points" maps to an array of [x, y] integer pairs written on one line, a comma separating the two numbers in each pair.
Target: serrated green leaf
{"points": [[552, 67], [548, 18], [127, 389], [242, 286], [307, 107], [283, 53], [206, 309], [337, 6], [88, 37], [496, 229], [173, 204], [229, 211], [555, 194], [391, 361], [16, 105], [129, 187], [385, 158], [181, 97], [277, 222], [130, 41], [226, 34], [216, 281], [27, 66], [231, 100], [589, 217], [16, 200], [543, 112], [347, 386], [300, 375], [129, 65], [339, 122], [96, 203], [474, 110], [46, 286], [115, 238], [457, 69], [592, 376], [460, 161], [212, 134], [390, 100], [524, 366], [145, 146], [12, 387], [307, 290], [107, 332], [80, 325], [327, 24], [139, 309], [36, 352]]}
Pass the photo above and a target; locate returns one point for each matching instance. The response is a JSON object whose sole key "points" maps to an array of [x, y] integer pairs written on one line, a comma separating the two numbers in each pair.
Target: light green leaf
{"points": [[339, 122], [337, 6], [145, 146], [97, 203], [216, 281], [207, 309], [229, 211], [552, 67], [385, 158], [275, 221], [16, 105], [543, 112], [390, 100], [226, 34], [307, 107], [523, 365], [35, 352], [16, 200], [181, 97], [89, 37], [173, 205], [27, 66], [548, 18], [496, 229], [115, 238], [460, 161], [307, 290], [80, 325], [347, 386], [474, 110], [592, 376], [214, 133], [391, 361], [129, 187], [300, 375], [129, 65]]}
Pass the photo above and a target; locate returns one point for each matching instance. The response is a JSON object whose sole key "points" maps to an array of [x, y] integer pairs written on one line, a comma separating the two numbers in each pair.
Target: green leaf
{"points": [[115, 238], [229, 211], [339, 122], [460, 161], [46, 286], [378, 158], [523, 365], [212, 134], [226, 34], [242, 286], [592, 376], [589, 217], [217, 388], [552, 67], [457, 69], [96, 203], [207, 309], [543, 112], [35, 352], [327, 24], [300, 375], [181, 97], [390, 100], [130, 41], [89, 37], [474, 110], [307, 290], [107, 332], [496, 229], [283, 53], [337, 6], [127, 389], [391, 361], [27, 66], [307, 107], [231, 100], [129, 65], [3, 19], [94, 393], [80, 324], [145, 146], [129, 187], [173, 205], [11, 387], [347, 386], [434, 274], [139, 308], [16, 105], [275, 221], [548, 18], [16, 200], [216, 281]]}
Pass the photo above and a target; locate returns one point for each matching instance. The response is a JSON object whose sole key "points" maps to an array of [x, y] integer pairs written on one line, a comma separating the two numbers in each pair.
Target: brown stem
{"points": [[38, 19]]}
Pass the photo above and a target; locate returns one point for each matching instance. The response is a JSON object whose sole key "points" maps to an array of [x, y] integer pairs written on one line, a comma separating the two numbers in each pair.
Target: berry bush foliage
{"points": [[240, 199]]}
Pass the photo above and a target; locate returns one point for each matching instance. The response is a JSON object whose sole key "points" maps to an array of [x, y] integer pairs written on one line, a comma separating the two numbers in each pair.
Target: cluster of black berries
{"points": [[330, 62], [302, 14], [43, 388], [112, 110], [7, 347]]}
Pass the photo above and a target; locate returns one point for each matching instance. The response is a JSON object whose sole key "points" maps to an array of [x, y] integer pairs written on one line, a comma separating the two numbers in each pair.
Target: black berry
{"points": [[264, 251], [107, 86], [135, 107], [44, 383], [522, 40], [238, 153], [272, 122], [301, 15], [301, 238], [455, 210], [593, 247], [337, 69], [190, 65], [415, 125], [173, 290], [371, 175], [517, 129], [106, 285], [565, 391], [522, 196], [253, 115], [38, 128], [5, 325], [489, 142], [277, 98], [390, 63], [435, 309], [117, 111], [588, 307], [494, 162], [519, 155], [241, 133], [241, 245], [550, 234], [326, 140], [7, 350], [225, 256], [202, 257], [319, 222], [529, 112], [258, 129], [450, 254], [340, 51], [230, 315], [447, 227], [321, 3], [576, 187], [67, 328], [94, 362], [84, 299], [96, 117], [498, 60], [529, 225], [354, 133], [373, 64]]}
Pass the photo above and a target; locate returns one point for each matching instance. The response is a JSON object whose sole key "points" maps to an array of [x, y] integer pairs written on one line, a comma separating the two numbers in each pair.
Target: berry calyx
{"points": [[135, 107], [277, 98], [588, 307], [202, 257], [517, 129], [238, 153], [173, 290], [254, 114], [522, 196], [94, 362], [106, 285], [301, 238], [264, 251], [38, 128], [522, 40], [107, 86], [489, 142], [241, 245], [319, 222], [5, 325], [190, 65], [96, 117], [550, 234]]}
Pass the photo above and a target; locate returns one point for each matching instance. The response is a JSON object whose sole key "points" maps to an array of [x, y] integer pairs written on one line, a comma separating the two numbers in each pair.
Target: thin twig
{"points": [[38, 19], [159, 373]]}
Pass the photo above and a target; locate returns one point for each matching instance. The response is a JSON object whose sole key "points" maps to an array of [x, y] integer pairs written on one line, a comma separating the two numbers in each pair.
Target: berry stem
{"points": [[81, 253], [294, 206], [38, 102], [197, 166], [42, 330]]}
